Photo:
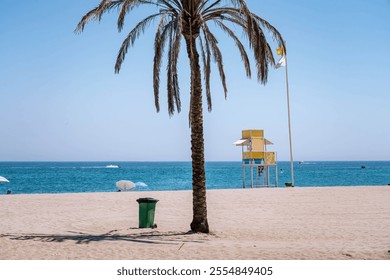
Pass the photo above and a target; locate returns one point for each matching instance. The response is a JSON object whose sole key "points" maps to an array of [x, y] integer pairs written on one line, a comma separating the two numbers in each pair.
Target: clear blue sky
{"points": [[60, 98]]}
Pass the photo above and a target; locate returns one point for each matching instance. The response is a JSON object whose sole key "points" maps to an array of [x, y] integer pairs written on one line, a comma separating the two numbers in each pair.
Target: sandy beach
{"points": [[286, 223]]}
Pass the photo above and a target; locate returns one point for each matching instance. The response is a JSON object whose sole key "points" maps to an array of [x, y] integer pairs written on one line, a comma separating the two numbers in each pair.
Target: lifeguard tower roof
{"points": [[246, 142]]}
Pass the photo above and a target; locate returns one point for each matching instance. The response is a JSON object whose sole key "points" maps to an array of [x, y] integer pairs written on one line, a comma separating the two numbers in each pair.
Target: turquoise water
{"points": [[65, 177]]}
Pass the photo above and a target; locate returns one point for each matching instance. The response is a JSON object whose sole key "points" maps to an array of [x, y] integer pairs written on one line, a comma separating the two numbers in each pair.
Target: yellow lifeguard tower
{"points": [[256, 157]]}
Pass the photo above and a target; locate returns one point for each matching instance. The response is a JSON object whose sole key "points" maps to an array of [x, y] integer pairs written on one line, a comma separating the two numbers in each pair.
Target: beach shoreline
{"points": [[319, 223]]}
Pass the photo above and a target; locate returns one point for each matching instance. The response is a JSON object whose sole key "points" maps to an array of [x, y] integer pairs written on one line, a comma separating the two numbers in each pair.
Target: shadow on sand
{"points": [[151, 237]]}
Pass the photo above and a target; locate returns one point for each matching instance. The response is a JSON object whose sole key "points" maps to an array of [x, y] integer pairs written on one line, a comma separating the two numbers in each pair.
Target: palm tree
{"points": [[189, 19]]}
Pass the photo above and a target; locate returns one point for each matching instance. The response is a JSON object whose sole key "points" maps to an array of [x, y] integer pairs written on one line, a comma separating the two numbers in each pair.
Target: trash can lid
{"points": [[146, 199]]}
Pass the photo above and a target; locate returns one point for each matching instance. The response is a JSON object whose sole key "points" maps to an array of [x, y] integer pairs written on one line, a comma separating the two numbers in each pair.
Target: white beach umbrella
{"points": [[125, 185], [3, 180], [140, 184]]}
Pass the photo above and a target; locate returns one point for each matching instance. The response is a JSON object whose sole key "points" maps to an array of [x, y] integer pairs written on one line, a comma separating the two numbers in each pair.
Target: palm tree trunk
{"points": [[199, 206]]}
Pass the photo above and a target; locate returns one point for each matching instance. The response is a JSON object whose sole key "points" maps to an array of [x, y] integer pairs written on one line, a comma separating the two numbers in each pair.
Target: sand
{"points": [[282, 224]]}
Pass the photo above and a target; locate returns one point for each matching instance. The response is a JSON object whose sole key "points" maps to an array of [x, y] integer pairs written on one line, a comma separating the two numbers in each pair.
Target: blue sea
{"points": [[76, 177]]}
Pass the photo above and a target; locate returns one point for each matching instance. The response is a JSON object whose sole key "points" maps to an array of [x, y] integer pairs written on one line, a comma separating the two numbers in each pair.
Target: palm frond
{"points": [[126, 7], [176, 51], [276, 36], [96, 13], [130, 39], [159, 45], [205, 52], [209, 7], [217, 55], [173, 89], [240, 46], [172, 6], [171, 107]]}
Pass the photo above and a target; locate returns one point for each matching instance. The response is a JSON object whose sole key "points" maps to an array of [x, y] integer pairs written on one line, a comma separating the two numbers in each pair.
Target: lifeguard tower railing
{"points": [[255, 157]]}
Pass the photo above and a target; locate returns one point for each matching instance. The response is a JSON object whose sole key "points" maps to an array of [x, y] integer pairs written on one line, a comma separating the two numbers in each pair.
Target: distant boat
{"points": [[112, 166], [301, 162]]}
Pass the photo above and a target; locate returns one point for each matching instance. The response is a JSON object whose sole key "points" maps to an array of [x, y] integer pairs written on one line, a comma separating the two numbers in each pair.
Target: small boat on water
{"points": [[112, 166]]}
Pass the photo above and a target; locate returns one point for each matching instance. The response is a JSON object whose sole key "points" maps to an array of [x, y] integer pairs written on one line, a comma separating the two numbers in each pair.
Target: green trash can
{"points": [[147, 207]]}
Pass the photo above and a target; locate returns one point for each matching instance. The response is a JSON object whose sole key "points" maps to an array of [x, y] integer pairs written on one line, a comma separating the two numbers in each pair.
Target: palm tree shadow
{"points": [[151, 237]]}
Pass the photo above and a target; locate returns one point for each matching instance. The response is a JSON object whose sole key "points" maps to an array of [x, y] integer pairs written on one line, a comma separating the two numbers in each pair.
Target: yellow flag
{"points": [[279, 51]]}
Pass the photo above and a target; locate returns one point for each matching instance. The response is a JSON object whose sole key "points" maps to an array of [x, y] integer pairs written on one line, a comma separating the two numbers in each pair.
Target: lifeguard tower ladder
{"points": [[256, 157]]}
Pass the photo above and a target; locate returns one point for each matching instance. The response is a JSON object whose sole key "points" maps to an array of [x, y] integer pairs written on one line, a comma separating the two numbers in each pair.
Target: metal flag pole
{"points": [[289, 125]]}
